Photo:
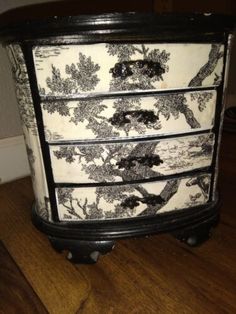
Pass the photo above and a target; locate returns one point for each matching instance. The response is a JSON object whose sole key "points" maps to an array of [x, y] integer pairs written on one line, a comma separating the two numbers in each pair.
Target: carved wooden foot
{"points": [[197, 234], [82, 252]]}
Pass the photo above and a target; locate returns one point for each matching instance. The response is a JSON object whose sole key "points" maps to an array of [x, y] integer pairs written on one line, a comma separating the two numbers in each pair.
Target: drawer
{"points": [[106, 118], [66, 70], [134, 200], [130, 161]]}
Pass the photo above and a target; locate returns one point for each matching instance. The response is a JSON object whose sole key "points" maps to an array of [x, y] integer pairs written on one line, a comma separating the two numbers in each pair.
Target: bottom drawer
{"points": [[133, 200]]}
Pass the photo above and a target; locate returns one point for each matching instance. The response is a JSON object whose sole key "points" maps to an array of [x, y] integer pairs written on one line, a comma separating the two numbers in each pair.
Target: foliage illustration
{"points": [[22, 89], [128, 163], [82, 76], [127, 199], [128, 114], [27, 114], [137, 67], [135, 161]]}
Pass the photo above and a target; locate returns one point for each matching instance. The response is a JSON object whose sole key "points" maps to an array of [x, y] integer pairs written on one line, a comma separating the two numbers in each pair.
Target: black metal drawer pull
{"points": [[146, 160], [143, 116], [144, 67]]}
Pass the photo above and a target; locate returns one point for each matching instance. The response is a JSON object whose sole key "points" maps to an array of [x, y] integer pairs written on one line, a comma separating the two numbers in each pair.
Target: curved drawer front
{"points": [[132, 161], [98, 68], [104, 118], [134, 200]]}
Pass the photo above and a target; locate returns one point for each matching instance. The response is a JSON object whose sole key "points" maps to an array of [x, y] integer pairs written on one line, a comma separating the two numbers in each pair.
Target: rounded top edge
{"points": [[48, 20]]}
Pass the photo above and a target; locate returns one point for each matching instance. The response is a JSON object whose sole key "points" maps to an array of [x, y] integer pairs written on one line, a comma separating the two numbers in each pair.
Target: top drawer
{"points": [[70, 70]]}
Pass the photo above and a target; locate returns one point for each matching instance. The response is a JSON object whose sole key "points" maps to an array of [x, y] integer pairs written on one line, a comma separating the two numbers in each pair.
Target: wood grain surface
{"points": [[148, 275], [16, 295]]}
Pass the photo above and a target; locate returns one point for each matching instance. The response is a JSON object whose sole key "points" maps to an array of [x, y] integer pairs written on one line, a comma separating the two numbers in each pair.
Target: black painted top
{"points": [[46, 20]]}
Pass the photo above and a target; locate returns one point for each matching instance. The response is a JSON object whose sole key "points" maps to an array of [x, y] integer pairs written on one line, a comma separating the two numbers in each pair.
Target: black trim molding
{"points": [[126, 228]]}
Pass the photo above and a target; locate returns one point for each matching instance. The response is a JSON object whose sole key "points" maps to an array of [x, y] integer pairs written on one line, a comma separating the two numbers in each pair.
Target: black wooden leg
{"points": [[82, 252], [197, 234]]}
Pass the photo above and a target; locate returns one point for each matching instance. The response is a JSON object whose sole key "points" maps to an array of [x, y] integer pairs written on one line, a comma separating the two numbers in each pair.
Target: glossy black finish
{"points": [[162, 26], [146, 68], [82, 252], [197, 234], [143, 116], [125, 228], [193, 232]]}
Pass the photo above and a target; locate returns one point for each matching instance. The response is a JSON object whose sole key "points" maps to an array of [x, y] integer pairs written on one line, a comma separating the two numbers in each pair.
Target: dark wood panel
{"points": [[16, 295], [202, 6], [71, 7]]}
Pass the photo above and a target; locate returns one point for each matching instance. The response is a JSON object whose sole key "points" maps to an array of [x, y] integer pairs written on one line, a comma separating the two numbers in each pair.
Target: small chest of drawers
{"points": [[122, 117]]}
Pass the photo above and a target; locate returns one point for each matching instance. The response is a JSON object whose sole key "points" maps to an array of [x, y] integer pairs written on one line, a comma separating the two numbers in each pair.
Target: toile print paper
{"points": [[30, 130], [104, 118], [100, 68], [132, 161], [133, 200], [78, 71]]}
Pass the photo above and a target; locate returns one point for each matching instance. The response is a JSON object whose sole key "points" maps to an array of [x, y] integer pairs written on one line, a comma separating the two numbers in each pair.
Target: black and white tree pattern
{"points": [[27, 114], [203, 182], [109, 163], [123, 198], [138, 67], [176, 104], [128, 66], [132, 161], [81, 76], [126, 206], [125, 201], [208, 68], [22, 88], [129, 115], [202, 99]]}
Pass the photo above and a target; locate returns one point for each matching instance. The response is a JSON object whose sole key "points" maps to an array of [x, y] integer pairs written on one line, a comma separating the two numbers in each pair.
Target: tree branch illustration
{"points": [[174, 104], [83, 207], [166, 194], [202, 181], [207, 69], [71, 210]]}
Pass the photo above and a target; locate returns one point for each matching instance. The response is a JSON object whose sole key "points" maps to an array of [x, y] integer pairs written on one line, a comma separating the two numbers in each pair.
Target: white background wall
{"points": [[9, 116], [13, 159]]}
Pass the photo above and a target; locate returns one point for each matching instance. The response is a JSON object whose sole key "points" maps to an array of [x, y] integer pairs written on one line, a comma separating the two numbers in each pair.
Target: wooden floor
{"points": [[151, 275]]}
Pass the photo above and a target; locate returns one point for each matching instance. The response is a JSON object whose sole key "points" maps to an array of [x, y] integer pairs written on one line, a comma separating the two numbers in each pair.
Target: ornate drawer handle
{"points": [[145, 67], [134, 201], [143, 116], [146, 160]]}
